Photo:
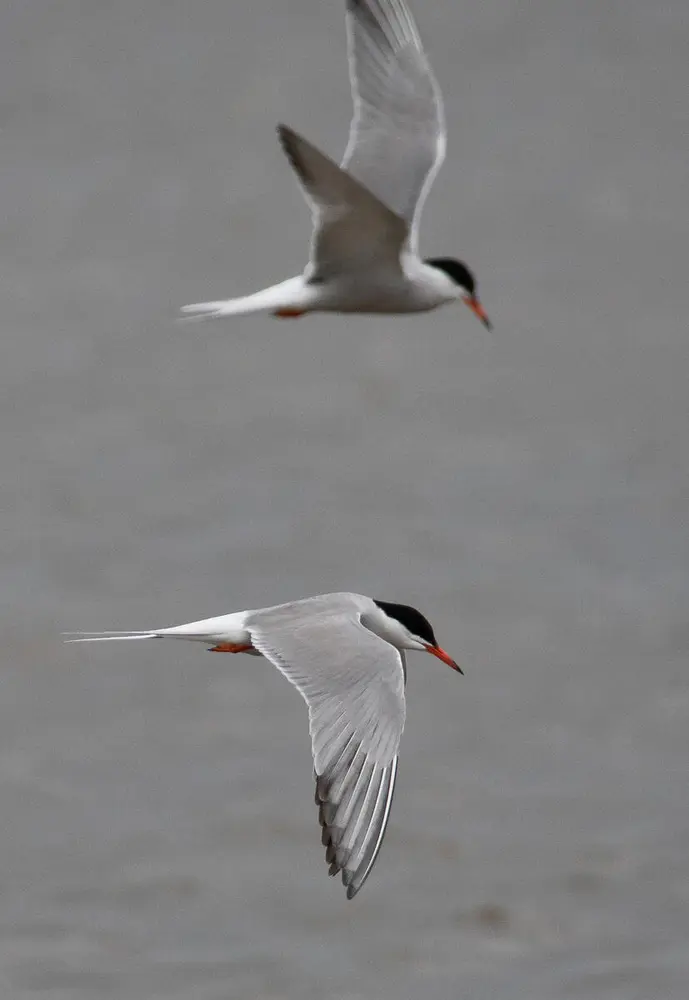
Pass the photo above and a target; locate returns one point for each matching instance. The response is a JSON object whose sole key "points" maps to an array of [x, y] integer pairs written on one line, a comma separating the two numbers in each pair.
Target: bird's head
{"points": [[406, 628], [463, 283]]}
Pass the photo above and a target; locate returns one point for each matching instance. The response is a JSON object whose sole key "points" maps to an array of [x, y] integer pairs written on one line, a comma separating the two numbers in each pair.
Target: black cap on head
{"points": [[412, 620], [456, 270]]}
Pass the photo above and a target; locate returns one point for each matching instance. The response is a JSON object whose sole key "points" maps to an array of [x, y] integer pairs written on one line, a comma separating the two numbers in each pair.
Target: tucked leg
{"points": [[289, 313], [230, 647]]}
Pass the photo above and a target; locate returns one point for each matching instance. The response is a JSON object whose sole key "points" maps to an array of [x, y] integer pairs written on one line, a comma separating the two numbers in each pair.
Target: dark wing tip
{"points": [[390, 23], [293, 146], [338, 858], [330, 835], [288, 138], [363, 11]]}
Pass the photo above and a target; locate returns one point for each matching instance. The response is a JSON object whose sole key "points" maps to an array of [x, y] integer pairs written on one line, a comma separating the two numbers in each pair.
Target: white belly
{"points": [[378, 294]]}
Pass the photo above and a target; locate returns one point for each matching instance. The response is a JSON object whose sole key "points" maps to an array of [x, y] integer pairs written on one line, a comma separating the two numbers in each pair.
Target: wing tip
{"points": [[289, 140], [354, 879], [286, 135]]}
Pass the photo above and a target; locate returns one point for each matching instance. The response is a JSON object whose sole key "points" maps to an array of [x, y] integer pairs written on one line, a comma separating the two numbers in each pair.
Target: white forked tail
{"points": [[108, 636], [291, 294], [223, 629]]}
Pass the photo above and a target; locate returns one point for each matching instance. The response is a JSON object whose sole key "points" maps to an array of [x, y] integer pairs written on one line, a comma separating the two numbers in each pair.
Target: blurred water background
{"points": [[528, 490]]}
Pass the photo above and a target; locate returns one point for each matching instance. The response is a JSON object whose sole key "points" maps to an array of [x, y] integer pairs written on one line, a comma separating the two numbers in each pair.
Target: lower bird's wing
{"points": [[352, 229], [353, 684]]}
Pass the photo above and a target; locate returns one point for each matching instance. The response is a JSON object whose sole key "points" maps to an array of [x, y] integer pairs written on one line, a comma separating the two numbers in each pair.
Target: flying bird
{"points": [[364, 254], [345, 655]]}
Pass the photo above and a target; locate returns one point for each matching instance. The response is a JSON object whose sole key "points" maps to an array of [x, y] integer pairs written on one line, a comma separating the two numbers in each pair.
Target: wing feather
{"points": [[397, 135], [352, 228], [353, 684]]}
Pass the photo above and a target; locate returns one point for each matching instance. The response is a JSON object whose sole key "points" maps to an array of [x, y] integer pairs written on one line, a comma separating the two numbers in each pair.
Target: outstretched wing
{"points": [[397, 136], [352, 229], [353, 684]]}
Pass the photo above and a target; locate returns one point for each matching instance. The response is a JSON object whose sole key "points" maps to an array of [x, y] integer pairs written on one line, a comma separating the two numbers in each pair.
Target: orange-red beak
{"points": [[442, 655], [476, 307]]}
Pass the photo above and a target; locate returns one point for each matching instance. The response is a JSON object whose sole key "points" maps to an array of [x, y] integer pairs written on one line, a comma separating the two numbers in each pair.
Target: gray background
{"points": [[528, 490]]}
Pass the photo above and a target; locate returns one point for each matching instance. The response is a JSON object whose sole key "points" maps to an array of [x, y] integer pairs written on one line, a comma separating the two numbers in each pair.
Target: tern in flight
{"points": [[364, 247], [345, 655]]}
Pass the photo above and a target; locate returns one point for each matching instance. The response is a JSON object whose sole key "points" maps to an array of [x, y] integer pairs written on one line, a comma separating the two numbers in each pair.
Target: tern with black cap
{"points": [[345, 654], [364, 246]]}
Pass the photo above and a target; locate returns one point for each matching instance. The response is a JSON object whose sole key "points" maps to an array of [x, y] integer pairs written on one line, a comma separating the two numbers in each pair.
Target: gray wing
{"points": [[352, 229], [353, 684], [397, 136]]}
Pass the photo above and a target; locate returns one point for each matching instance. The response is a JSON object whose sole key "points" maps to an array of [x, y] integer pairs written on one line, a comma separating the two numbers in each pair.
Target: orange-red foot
{"points": [[230, 647], [289, 313]]}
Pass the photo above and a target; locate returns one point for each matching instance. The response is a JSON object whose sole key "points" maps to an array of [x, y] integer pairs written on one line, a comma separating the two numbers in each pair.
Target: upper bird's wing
{"points": [[397, 136], [353, 684], [352, 229]]}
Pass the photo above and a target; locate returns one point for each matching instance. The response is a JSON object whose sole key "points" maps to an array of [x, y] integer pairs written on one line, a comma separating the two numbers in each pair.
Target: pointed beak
{"points": [[442, 655], [476, 307]]}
